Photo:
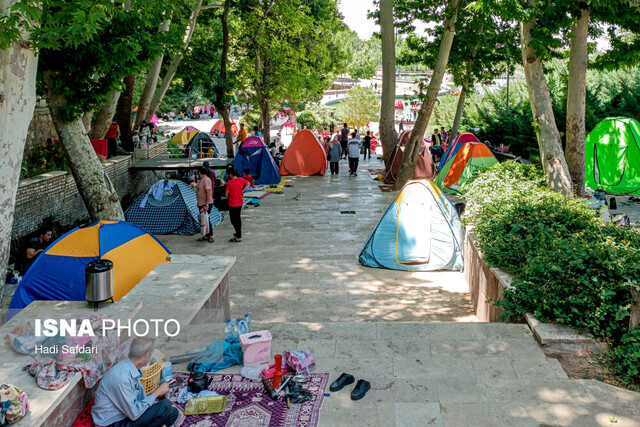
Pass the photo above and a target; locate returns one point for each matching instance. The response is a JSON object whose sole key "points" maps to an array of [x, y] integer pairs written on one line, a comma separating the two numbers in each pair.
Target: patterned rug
{"points": [[248, 405]]}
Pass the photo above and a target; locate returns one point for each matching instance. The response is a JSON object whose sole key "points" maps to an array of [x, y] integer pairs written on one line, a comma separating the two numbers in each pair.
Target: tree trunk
{"points": [[123, 111], [104, 118], [553, 161], [86, 121], [94, 185], [459, 110], [634, 310], [388, 135], [228, 133], [408, 165], [18, 66], [576, 101], [266, 121], [151, 83], [175, 61], [221, 104]]}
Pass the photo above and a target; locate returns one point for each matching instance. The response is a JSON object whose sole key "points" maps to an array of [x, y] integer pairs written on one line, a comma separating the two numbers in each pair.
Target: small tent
{"points": [[184, 136], [458, 142], [305, 156], [169, 207], [200, 142], [612, 155], [254, 155], [424, 166], [420, 231], [471, 157], [58, 272], [219, 126]]}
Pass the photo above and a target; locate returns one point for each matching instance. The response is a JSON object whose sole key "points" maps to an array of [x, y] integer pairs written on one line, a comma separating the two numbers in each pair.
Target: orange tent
{"points": [[219, 126], [305, 156]]}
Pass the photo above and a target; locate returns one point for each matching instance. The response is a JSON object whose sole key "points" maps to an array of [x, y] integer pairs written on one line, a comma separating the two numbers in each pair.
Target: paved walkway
{"points": [[413, 335]]}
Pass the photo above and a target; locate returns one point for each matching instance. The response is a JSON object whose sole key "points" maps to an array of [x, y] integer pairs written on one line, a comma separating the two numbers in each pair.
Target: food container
{"points": [[256, 347]]}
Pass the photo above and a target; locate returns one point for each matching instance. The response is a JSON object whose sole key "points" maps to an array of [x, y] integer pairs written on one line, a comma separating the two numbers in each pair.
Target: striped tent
{"points": [[457, 171], [459, 142]]}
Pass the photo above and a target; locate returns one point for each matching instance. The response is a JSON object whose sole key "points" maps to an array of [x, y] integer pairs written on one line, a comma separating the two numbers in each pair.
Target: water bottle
{"points": [[237, 326], [247, 322], [242, 329], [228, 331]]}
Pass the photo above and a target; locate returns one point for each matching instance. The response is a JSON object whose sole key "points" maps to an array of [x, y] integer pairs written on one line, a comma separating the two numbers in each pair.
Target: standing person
{"points": [[256, 131], [112, 139], [242, 135], [210, 174], [443, 135], [401, 125], [355, 130], [344, 140], [334, 155], [354, 154], [367, 145], [204, 196], [120, 398], [234, 190], [332, 128], [435, 137]]}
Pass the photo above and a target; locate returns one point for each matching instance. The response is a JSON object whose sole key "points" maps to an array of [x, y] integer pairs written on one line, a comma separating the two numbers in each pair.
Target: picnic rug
{"points": [[248, 405]]}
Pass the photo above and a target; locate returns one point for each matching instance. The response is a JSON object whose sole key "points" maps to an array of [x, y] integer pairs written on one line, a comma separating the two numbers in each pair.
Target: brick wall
{"points": [[55, 196]]}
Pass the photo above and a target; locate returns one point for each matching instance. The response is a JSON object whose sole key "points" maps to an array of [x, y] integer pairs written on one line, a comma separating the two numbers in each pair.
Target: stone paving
{"points": [[413, 335]]}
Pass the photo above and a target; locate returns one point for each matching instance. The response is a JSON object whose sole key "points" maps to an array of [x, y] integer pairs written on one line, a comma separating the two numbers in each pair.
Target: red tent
{"points": [[305, 156], [424, 166], [219, 126]]}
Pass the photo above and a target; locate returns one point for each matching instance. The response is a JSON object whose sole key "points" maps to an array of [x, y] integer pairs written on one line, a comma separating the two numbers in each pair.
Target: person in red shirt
{"points": [[112, 136], [248, 178], [236, 186]]}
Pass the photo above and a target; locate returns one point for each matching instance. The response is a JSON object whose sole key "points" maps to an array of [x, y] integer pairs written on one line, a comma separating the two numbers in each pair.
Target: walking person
{"points": [[354, 154], [204, 196], [401, 125], [334, 155], [344, 140], [367, 145], [235, 188]]}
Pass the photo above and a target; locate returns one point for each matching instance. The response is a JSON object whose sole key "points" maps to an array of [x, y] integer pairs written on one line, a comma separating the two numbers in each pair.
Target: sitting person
{"points": [[225, 174], [35, 247], [248, 178], [220, 201], [120, 398]]}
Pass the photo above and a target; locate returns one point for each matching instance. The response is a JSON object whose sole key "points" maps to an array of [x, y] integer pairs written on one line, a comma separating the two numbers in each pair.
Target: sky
{"points": [[355, 16]]}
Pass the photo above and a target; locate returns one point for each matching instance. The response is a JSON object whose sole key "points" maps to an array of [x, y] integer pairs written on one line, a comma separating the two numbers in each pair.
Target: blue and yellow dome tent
{"points": [[58, 273]]}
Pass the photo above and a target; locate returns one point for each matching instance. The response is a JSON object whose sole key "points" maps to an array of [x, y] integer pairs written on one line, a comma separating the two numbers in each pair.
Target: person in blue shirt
{"points": [[120, 400], [256, 132]]}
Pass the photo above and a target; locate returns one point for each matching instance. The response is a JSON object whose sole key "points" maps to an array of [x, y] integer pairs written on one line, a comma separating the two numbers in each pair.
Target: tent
{"points": [[254, 155], [169, 207], [612, 155], [305, 156], [154, 119], [424, 166], [58, 273], [219, 126], [458, 142], [184, 136], [200, 142], [420, 231], [471, 157]]}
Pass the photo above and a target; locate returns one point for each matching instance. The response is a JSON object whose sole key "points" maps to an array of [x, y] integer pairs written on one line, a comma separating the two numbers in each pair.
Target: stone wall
{"points": [[40, 128], [54, 196]]}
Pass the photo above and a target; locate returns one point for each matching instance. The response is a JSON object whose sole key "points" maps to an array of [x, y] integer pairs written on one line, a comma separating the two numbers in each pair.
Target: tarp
{"points": [[254, 155], [305, 156], [58, 273], [457, 171], [219, 126], [458, 142], [424, 166], [169, 207], [420, 231], [612, 155]]}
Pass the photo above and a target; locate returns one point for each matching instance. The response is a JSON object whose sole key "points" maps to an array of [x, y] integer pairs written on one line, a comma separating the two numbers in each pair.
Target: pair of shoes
{"points": [[358, 392], [235, 240]]}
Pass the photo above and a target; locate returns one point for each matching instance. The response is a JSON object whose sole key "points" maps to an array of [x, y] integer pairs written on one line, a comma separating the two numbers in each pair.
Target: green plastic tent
{"points": [[612, 155]]}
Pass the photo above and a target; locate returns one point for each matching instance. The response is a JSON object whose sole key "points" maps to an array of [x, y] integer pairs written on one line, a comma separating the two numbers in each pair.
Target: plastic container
{"points": [[167, 371], [247, 321], [256, 347]]}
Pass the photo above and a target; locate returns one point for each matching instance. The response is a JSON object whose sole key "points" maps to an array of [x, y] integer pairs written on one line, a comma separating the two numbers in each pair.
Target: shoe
{"points": [[355, 174], [360, 390], [343, 380]]}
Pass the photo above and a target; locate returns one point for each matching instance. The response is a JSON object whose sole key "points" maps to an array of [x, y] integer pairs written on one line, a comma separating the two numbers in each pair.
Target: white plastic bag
{"points": [[204, 223]]}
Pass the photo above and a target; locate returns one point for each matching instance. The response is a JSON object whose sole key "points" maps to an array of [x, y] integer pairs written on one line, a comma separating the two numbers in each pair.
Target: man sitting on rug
{"points": [[120, 398]]}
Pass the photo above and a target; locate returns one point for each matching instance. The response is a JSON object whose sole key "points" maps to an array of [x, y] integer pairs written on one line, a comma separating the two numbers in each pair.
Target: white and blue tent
{"points": [[420, 231], [169, 207]]}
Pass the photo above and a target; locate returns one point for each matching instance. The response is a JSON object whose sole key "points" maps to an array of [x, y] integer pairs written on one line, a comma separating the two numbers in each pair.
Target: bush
{"points": [[624, 360], [568, 267], [308, 119], [45, 159]]}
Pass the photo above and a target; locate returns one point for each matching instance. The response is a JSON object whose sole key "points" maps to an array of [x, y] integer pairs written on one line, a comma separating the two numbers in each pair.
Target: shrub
{"points": [[624, 360]]}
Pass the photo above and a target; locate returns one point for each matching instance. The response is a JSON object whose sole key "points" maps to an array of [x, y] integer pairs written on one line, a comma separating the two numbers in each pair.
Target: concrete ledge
{"points": [[552, 333]]}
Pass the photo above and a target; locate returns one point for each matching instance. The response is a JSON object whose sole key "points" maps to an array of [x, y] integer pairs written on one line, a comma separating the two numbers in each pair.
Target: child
{"points": [[248, 177]]}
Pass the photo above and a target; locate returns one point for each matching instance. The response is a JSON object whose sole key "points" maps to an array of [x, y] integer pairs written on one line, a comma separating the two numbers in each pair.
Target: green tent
{"points": [[612, 155]]}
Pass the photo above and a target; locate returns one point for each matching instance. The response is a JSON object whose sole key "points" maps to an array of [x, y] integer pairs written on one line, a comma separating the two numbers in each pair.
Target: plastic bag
{"points": [[253, 371]]}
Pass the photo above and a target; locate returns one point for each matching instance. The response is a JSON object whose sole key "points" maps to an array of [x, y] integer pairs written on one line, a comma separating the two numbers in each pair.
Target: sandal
{"points": [[202, 239], [235, 240], [211, 240]]}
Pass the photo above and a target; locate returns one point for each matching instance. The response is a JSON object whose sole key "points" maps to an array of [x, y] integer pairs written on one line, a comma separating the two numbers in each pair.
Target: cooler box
{"points": [[256, 347], [100, 145]]}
